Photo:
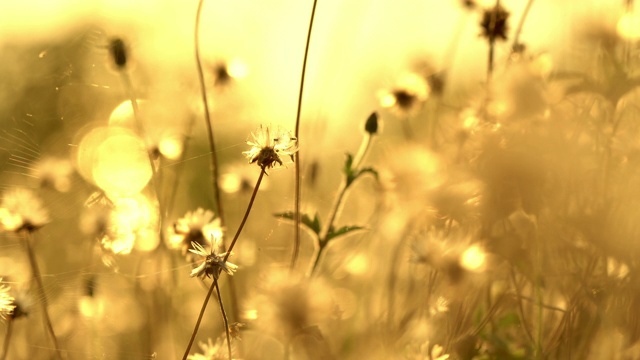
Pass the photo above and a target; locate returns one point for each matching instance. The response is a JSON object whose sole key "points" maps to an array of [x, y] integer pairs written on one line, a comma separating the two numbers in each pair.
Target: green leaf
{"points": [[352, 174], [311, 224], [369, 170], [333, 233]]}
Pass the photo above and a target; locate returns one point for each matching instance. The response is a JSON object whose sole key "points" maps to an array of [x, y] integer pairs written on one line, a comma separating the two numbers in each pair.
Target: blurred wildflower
{"points": [[211, 350], [408, 95], [213, 263], [269, 145], [198, 227], [424, 350], [224, 73], [22, 210], [54, 172], [413, 179], [6, 301], [458, 199], [521, 91], [494, 23], [131, 219], [437, 353], [290, 305], [440, 306], [449, 253]]}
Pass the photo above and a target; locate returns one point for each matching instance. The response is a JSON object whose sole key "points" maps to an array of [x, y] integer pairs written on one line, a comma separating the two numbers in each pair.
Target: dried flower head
{"points": [[213, 263], [407, 96], [269, 145], [195, 227], [6, 301], [22, 210], [494, 23]]}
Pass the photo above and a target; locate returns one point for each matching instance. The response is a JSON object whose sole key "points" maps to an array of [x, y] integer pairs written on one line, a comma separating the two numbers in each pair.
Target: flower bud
{"points": [[371, 126], [118, 52]]}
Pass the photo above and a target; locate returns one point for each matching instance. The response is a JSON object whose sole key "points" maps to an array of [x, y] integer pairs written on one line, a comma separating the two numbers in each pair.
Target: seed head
{"points": [[494, 23]]}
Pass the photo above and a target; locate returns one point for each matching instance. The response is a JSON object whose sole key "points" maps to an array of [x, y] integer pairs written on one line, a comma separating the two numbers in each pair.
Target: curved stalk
{"points": [[298, 192], [207, 116]]}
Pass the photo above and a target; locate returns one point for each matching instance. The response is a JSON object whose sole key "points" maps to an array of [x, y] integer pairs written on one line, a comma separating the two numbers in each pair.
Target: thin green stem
{"points": [[518, 32], [7, 339], [207, 116], [212, 147], [322, 240], [195, 329], [224, 318], [246, 214], [38, 277], [298, 190]]}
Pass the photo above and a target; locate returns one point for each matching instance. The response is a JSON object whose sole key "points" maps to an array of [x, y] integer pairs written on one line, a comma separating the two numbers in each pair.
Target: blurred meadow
{"points": [[452, 180]]}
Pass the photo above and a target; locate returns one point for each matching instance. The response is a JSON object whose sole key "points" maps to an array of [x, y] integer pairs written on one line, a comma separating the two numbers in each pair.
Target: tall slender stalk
{"points": [[246, 214], [197, 326], [214, 157], [214, 284], [224, 319], [38, 277], [207, 116], [298, 192]]}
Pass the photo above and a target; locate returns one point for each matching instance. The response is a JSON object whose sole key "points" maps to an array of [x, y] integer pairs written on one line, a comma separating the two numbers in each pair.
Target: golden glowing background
{"points": [[66, 121]]}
